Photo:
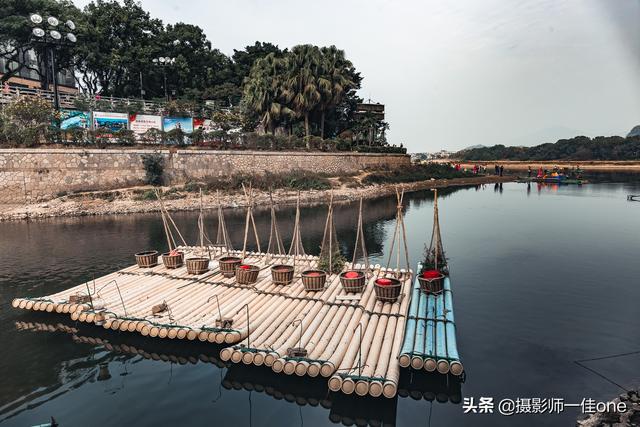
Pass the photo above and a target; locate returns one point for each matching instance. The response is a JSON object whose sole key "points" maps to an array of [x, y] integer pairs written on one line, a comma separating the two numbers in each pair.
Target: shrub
{"points": [[153, 136], [175, 136], [125, 137], [26, 119], [154, 168], [414, 173], [144, 195]]}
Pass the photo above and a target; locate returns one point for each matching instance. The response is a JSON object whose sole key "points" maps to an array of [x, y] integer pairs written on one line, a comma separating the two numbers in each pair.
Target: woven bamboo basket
{"points": [[197, 265], [353, 284], [432, 285], [173, 261], [314, 280], [147, 259], [228, 265], [247, 276], [388, 293], [282, 274]]}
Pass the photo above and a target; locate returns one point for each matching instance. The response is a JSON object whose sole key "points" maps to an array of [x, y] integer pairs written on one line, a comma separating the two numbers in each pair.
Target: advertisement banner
{"points": [[111, 121], [72, 119], [141, 123], [205, 124], [184, 123]]}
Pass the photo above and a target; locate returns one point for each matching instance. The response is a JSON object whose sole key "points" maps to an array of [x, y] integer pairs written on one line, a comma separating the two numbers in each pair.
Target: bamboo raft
{"points": [[312, 320], [430, 334], [264, 319]]}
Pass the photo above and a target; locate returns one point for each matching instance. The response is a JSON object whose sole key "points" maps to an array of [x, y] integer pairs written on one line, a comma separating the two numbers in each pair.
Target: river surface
{"points": [[542, 277]]}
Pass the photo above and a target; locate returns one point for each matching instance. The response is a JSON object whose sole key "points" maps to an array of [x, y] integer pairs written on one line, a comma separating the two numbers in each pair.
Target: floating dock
{"points": [[430, 335], [351, 339]]}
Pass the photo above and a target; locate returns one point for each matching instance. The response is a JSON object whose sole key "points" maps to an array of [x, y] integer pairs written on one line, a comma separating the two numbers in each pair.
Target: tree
{"points": [[16, 39], [264, 92], [301, 86], [119, 43], [25, 120], [243, 60], [335, 80], [371, 128]]}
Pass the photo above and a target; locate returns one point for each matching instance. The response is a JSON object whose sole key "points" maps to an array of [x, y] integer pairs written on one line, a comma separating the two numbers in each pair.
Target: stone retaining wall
{"points": [[30, 175]]}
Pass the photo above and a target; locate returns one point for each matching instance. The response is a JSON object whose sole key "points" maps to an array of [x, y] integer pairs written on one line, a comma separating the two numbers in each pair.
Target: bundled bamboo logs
{"points": [[324, 327], [350, 339], [430, 337]]}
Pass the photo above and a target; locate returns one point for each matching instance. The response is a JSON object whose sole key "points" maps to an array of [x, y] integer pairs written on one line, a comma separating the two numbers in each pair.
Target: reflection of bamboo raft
{"points": [[262, 318], [422, 385], [159, 351], [430, 336]]}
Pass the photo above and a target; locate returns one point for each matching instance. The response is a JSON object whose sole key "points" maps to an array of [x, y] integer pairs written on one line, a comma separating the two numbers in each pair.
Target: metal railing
{"points": [[88, 102]]}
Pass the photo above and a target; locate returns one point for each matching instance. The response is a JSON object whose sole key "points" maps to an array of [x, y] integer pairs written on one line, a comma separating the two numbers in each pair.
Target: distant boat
{"points": [[559, 178]]}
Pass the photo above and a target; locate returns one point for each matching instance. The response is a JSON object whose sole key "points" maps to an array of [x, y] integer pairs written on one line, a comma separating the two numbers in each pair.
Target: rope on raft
{"points": [[222, 237], [275, 246], [360, 246], [399, 237], [296, 249], [249, 221]]}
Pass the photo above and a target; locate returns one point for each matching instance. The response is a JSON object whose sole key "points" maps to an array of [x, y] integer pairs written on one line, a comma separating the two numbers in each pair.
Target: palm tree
{"points": [[263, 91], [300, 88], [334, 81]]}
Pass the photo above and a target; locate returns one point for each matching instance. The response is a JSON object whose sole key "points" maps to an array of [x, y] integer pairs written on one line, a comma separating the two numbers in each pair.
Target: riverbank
{"points": [[136, 200], [589, 165]]}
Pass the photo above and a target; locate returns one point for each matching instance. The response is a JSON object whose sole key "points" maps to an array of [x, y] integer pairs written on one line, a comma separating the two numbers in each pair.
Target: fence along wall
{"points": [[31, 175]]}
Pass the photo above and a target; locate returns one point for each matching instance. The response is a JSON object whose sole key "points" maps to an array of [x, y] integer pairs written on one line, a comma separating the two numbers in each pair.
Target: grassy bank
{"points": [[299, 180]]}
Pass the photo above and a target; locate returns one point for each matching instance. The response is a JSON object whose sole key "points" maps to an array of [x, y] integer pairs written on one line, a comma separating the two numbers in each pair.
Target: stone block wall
{"points": [[31, 175]]}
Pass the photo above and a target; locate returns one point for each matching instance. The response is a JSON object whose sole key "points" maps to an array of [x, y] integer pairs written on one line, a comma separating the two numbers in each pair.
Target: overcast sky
{"points": [[455, 74]]}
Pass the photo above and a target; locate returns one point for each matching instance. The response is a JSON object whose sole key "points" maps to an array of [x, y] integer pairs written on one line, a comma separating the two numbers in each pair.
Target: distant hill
{"points": [[634, 132], [578, 148], [473, 147]]}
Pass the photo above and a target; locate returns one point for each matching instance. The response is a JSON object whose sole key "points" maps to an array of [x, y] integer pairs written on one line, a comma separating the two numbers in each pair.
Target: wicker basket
{"points": [[432, 285], [313, 280], [353, 284], [197, 265], [282, 274], [388, 293], [247, 276], [228, 265], [147, 259], [173, 261]]}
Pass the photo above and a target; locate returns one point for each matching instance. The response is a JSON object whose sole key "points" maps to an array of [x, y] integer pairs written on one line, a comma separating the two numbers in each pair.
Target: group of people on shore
{"points": [[477, 169], [499, 170]]}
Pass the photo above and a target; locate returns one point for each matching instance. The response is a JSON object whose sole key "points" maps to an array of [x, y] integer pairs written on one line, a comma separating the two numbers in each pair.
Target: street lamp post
{"points": [[164, 62], [48, 35]]}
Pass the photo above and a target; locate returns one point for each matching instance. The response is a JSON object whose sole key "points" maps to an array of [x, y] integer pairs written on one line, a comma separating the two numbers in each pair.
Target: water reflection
{"points": [[527, 273], [109, 358]]}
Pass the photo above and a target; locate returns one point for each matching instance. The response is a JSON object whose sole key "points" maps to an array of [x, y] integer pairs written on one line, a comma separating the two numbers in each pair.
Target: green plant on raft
{"points": [[337, 262], [429, 261]]}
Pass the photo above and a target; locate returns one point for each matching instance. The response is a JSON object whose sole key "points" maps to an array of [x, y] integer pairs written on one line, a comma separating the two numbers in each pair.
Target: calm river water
{"points": [[542, 277]]}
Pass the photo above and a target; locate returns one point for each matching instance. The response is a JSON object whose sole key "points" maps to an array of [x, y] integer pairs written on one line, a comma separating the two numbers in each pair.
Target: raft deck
{"points": [[352, 339]]}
